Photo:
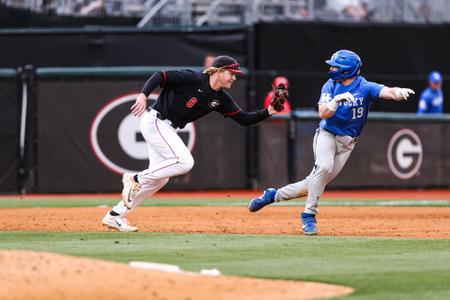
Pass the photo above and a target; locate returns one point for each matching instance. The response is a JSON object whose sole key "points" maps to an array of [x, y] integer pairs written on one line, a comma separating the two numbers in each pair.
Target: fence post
{"points": [[291, 148], [28, 130], [252, 132]]}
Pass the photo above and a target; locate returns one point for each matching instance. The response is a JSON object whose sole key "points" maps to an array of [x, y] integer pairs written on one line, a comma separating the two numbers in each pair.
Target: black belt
{"points": [[159, 116]]}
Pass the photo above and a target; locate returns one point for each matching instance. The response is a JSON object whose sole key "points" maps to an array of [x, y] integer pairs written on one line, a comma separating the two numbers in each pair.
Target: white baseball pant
{"points": [[330, 154], [168, 156]]}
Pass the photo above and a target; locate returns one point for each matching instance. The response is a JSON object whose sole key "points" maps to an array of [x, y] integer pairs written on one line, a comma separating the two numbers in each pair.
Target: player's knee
{"points": [[325, 167], [186, 162], [163, 182]]}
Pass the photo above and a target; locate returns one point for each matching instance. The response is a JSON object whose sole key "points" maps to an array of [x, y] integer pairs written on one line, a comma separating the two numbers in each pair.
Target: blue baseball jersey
{"points": [[349, 118], [431, 102]]}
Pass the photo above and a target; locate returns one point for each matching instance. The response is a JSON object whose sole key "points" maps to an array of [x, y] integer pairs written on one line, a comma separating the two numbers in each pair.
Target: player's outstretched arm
{"points": [[250, 118], [396, 93]]}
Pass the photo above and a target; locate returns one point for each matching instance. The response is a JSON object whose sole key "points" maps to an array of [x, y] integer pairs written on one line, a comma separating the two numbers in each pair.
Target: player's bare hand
{"points": [[403, 93], [272, 111], [139, 106], [344, 97]]}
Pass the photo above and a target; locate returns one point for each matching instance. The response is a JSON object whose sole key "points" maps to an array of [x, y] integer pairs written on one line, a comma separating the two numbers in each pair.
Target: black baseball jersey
{"points": [[187, 96]]}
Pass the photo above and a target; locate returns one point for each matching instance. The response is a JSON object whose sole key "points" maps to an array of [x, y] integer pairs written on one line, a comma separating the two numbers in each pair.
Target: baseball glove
{"points": [[280, 95]]}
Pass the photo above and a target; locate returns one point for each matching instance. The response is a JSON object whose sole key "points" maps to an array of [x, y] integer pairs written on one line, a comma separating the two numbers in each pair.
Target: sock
{"points": [[136, 178], [113, 213]]}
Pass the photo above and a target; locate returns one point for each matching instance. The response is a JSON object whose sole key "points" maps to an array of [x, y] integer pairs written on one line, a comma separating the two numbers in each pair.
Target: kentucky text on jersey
{"points": [[350, 117]]}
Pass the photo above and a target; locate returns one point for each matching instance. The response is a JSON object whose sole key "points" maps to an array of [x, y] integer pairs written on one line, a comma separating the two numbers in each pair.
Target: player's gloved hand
{"points": [[280, 96], [403, 93], [344, 97], [139, 106]]}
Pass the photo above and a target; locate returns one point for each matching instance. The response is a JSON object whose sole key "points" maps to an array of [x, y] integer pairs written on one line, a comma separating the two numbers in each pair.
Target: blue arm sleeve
{"points": [[374, 90]]}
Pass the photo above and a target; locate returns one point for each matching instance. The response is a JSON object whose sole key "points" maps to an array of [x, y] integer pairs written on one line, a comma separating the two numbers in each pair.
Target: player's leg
{"points": [[271, 195], [177, 159], [146, 192], [116, 218], [318, 181], [147, 189], [168, 156], [288, 192], [342, 155], [324, 153], [167, 153], [300, 189]]}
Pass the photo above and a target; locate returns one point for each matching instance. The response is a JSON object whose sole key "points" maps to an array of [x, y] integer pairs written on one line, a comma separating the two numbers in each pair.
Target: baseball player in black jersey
{"points": [[186, 96]]}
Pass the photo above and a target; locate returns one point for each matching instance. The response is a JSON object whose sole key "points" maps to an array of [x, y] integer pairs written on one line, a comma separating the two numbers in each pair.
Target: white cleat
{"points": [[130, 189], [118, 223]]}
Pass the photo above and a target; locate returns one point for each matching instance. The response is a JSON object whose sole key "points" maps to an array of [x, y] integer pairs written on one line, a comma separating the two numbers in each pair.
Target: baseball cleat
{"points": [[309, 224], [130, 189], [266, 198], [119, 223]]}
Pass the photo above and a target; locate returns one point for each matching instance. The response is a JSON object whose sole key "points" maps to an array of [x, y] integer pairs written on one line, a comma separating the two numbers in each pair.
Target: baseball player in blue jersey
{"points": [[343, 107], [432, 100]]}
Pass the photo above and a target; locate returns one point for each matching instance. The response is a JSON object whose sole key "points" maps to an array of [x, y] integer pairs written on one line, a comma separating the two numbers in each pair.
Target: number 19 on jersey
{"points": [[357, 112]]}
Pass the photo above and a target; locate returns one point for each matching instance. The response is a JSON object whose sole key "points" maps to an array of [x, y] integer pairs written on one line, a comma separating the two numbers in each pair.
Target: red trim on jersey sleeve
{"points": [[165, 77], [232, 113]]}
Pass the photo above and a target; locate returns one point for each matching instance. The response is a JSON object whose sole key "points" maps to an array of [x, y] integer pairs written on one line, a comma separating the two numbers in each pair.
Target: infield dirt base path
{"points": [[32, 275], [418, 222]]}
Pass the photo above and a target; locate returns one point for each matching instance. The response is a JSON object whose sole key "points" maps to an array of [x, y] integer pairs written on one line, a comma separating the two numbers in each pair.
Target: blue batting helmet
{"points": [[348, 63], [435, 77]]}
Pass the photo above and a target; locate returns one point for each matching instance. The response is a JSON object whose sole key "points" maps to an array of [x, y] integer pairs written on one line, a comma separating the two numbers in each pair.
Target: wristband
{"points": [[332, 105]]}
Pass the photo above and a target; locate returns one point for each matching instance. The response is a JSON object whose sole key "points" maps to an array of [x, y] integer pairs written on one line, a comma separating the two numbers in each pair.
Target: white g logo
{"points": [[405, 154], [117, 141]]}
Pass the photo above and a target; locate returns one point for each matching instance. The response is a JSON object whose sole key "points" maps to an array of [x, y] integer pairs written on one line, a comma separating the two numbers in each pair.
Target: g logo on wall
{"points": [[116, 138], [405, 154]]}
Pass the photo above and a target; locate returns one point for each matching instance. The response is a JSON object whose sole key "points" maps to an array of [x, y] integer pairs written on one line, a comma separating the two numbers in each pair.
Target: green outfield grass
{"points": [[378, 268], [14, 202]]}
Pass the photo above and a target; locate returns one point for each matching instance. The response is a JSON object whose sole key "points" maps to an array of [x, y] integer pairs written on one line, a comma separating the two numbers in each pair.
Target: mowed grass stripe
{"points": [[188, 201], [378, 268]]}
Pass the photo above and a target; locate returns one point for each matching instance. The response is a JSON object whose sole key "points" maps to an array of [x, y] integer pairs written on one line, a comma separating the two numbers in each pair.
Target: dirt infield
{"points": [[31, 276], [418, 222]]}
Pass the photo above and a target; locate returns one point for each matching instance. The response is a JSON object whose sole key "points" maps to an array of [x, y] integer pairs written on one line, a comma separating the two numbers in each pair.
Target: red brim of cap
{"points": [[235, 71]]}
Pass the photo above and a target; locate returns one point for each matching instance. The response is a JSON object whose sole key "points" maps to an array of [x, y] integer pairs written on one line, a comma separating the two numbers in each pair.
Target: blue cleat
{"points": [[266, 198], [309, 224]]}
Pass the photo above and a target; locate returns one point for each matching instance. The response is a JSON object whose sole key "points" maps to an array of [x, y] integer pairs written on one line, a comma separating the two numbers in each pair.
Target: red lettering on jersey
{"points": [[191, 102]]}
